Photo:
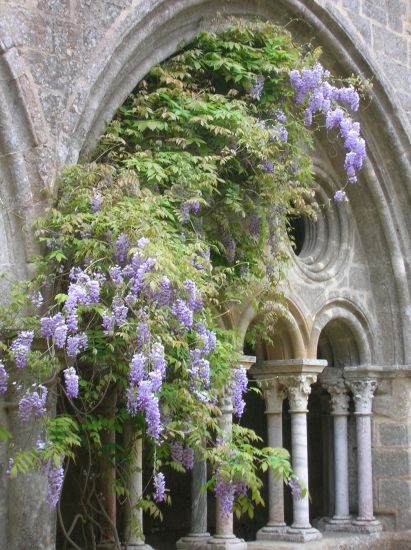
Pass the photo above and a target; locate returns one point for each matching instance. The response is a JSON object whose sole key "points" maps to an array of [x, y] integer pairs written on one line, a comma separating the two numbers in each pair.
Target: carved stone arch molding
{"points": [[25, 159], [150, 31], [349, 314], [326, 242], [146, 32], [291, 331]]}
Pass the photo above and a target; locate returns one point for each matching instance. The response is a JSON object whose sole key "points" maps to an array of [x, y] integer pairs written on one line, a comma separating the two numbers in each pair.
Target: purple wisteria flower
{"points": [[194, 300], [340, 196], [76, 343], [37, 299], [120, 310], [183, 455], [142, 398], [33, 403], [183, 313], [295, 488], [189, 207], [71, 381], [21, 347], [143, 334], [137, 368], [55, 478], [267, 166], [116, 274], [159, 487], [95, 202], [224, 490], [3, 378], [324, 97], [163, 295], [122, 248], [108, 322], [239, 386]]}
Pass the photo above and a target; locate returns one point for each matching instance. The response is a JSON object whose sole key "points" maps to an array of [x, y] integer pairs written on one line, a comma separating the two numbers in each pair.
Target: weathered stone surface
{"points": [[393, 435], [394, 494], [391, 463]]}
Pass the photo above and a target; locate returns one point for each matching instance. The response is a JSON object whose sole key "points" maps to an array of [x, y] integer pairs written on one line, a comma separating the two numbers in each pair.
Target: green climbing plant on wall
{"points": [[180, 212]]}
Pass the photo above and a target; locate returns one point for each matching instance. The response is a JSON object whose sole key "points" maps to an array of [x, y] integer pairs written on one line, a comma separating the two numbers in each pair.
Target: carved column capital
{"points": [[363, 393], [340, 400], [298, 390], [274, 394]]}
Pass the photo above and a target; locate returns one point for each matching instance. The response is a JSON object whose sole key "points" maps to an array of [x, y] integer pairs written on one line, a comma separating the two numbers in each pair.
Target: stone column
{"points": [[363, 394], [134, 522], [224, 538], [108, 475], [298, 389], [340, 401], [274, 394], [198, 537]]}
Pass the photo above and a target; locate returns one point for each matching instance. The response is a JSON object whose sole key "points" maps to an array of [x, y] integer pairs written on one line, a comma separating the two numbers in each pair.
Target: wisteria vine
{"points": [[148, 245]]}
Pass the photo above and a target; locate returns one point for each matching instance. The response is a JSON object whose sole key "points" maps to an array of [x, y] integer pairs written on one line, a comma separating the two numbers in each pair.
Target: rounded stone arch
{"points": [[344, 329], [141, 38], [291, 332], [25, 160]]}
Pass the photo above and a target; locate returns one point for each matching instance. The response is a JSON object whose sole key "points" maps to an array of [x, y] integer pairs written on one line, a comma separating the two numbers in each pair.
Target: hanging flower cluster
{"points": [[239, 387], [227, 490], [312, 87], [183, 455]]}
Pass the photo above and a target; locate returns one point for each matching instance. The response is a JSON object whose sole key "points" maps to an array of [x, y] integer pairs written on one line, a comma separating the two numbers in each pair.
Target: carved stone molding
{"points": [[298, 390], [363, 394], [340, 400]]}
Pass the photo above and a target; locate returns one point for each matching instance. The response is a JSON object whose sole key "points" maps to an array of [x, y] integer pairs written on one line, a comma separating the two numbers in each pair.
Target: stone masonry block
{"points": [[394, 494], [351, 5], [375, 9], [390, 43], [391, 463], [59, 8], [393, 435]]}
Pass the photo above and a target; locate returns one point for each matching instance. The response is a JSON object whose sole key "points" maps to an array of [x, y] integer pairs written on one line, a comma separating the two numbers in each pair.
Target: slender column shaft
{"points": [[363, 394], [341, 467], [340, 400], [108, 478], [198, 498], [136, 491], [298, 389], [275, 486], [224, 523], [301, 514], [364, 458]]}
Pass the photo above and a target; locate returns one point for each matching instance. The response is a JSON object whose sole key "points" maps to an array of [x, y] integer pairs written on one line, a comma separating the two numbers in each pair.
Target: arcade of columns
{"points": [[292, 379]]}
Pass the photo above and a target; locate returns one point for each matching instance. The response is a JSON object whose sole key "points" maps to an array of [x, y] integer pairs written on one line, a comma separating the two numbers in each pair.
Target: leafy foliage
{"points": [[189, 188]]}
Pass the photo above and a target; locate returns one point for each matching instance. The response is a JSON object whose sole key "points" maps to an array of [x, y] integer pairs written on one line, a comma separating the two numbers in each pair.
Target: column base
{"points": [[337, 524], [367, 526], [228, 542], [298, 534], [271, 532], [193, 541], [136, 544]]}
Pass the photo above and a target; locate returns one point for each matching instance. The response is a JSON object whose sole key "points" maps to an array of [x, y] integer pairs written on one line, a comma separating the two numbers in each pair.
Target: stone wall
{"points": [[67, 65]]}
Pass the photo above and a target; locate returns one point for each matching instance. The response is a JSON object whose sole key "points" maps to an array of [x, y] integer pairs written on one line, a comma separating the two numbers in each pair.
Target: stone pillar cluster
{"points": [[280, 380], [363, 392]]}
